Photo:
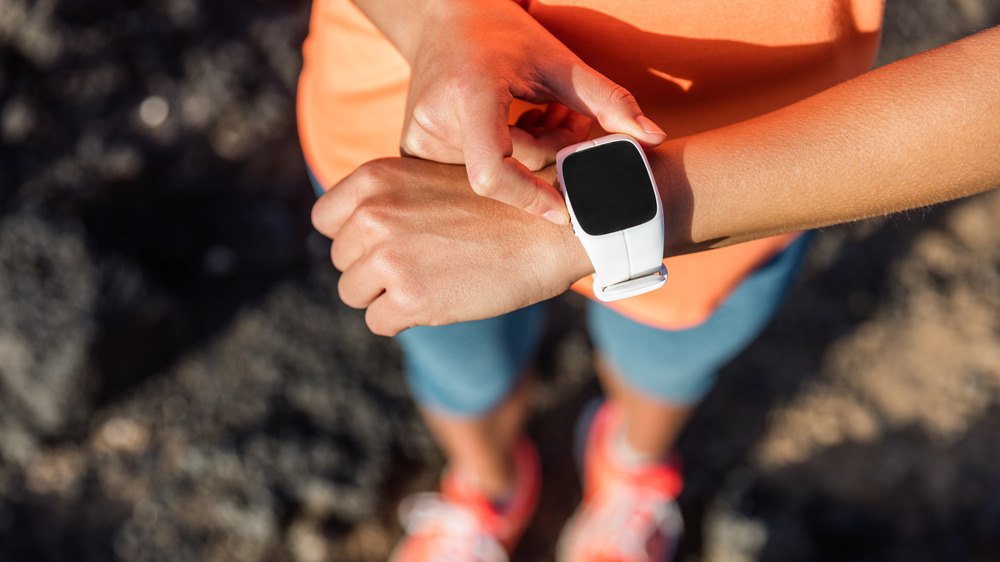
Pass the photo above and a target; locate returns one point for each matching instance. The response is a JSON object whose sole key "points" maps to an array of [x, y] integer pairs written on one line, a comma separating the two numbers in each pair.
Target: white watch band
{"points": [[626, 262], [640, 271]]}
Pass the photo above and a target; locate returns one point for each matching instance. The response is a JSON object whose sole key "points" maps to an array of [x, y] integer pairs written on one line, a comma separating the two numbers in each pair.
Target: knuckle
{"points": [[373, 175], [472, 91], [345, 294], [402, 305], [367, 173], [415, 141], [535, 205], [386, 263], [338, 256], [318, 218], [373, 323], [378, 324], [409, 302], [372, 220], [424, 131], [485, 180], [618, 95], [335, 256], [535, 161], [466, 80], [421, 117]]}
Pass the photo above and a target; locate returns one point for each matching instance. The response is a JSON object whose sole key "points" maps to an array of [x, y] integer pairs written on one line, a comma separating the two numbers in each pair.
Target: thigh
{"points": [[466, 369], [680, 366]]}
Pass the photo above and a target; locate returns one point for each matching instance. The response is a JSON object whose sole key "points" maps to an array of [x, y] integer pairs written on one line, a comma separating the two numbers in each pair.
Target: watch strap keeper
{"points": [[630, 287]]}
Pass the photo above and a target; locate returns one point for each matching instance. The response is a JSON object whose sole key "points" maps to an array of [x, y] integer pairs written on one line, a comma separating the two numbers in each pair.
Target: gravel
{"points": [[179, 381]]}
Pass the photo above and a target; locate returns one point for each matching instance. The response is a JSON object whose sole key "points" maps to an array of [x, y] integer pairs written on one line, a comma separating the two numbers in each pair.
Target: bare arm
{"points": [[919, 131], [469, 60]]}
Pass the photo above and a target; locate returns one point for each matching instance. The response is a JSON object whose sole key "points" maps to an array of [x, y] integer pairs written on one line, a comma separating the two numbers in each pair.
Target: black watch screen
{"points": [[609, 187]]}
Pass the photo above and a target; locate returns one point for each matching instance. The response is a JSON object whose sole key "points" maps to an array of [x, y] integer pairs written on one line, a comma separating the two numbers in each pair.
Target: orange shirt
{"points": [[693, 65]]}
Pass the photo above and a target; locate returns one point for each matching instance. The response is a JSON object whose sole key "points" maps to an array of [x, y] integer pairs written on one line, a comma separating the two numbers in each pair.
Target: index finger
{"points": [[334, 207], [493, 172]]}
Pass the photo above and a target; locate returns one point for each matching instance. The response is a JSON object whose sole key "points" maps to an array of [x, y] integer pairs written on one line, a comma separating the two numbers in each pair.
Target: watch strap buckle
{"points": [[631, 287]]}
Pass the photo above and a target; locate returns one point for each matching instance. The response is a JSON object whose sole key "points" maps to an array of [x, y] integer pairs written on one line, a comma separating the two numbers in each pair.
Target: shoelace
{"points": [[635, 519], [464, 539]]}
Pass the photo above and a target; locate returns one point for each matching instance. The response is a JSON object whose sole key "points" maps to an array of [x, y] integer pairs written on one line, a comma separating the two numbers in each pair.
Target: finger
{"points": [[530, 119], [384, 318], [615, 109], [578, 124], [367, 226], [575, 129], [555, 113], [538, 147], [419, 142], [329, 212], [345, 251], [517, 186], [486, 138], [526, 148], [334, 207], [360, 284], [492, 172]]}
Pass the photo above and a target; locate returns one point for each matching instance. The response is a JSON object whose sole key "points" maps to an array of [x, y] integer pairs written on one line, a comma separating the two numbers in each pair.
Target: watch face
{"points": [[609, 188]]}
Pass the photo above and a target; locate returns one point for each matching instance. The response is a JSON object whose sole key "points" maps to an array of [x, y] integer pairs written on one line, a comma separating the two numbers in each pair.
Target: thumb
{"points": [[591, 93]]}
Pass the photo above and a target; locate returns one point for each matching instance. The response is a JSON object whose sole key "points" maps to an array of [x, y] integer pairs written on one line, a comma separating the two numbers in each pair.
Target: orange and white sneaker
{"points": [[459, 524], [628, 513]]}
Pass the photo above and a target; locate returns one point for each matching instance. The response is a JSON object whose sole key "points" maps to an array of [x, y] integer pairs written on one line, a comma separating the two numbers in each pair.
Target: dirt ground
{"points": [[179, 381]]}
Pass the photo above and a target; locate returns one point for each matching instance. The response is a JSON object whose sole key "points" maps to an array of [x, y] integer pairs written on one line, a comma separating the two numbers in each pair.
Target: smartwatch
{"points": [[616, 213]]}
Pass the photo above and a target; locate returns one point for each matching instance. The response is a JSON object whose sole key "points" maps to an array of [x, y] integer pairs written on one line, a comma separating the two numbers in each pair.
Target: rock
{"points": [[47, 289]]}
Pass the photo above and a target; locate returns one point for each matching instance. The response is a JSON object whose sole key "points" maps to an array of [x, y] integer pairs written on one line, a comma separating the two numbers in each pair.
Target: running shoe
{"points": [[459, 524], [628, 513]]}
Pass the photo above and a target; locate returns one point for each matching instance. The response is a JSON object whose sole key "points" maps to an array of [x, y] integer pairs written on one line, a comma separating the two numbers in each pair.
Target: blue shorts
{"points": [[466, 369]]}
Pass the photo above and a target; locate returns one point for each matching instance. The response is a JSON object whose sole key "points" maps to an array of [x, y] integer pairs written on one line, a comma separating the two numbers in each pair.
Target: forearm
{"points": [[399, 22], [405, 23], [920, 131]]}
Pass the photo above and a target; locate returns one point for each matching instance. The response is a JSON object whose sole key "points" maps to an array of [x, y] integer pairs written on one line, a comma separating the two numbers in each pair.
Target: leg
{"points": [[471, 381], [662, 420], [480, 446], [653, 380], [659, 376]]}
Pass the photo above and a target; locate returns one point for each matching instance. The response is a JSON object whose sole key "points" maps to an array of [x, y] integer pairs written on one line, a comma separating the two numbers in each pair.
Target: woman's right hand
{"points": [[469, 60]]}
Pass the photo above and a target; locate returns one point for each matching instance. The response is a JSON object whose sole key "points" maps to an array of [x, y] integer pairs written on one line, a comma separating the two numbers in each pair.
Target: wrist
{"points": [[450, 16], [667, 165], [578, 264], [616, 212], [572, 254]]}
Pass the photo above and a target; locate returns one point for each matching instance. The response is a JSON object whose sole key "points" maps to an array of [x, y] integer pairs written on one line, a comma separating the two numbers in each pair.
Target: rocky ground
{"points": [[179, 382]]}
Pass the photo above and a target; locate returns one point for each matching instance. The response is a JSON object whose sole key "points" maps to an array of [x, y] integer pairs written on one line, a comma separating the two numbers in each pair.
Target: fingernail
{"points": [[557, 217], [649, 126]]}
